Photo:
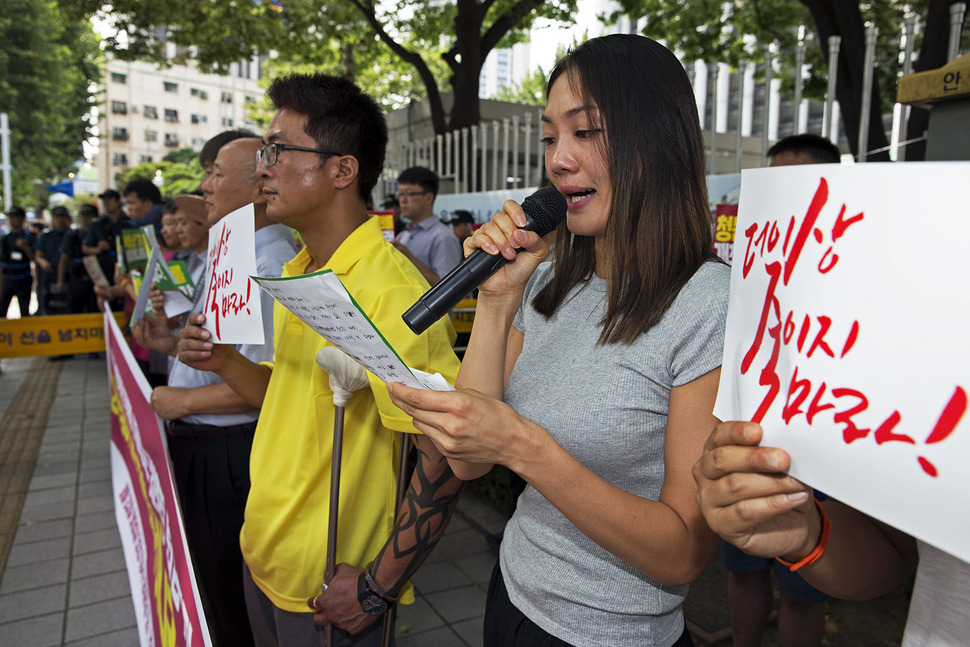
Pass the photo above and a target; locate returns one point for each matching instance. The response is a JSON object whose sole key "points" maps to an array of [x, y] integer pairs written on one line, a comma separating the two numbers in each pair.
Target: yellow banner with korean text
{"points": [[54, 335]]}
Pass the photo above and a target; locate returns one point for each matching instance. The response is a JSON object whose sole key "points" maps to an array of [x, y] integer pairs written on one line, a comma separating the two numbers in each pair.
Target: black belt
{"points": [[189, 430]]}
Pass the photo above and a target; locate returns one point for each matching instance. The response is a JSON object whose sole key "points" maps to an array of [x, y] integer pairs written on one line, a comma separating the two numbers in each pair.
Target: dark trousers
{"points": [[19, 288], [274, 627], [506, 626], [211, 469], [80, 296], [43, 290]]}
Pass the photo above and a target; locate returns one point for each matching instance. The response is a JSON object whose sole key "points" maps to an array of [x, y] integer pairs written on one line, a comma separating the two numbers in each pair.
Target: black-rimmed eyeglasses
{"points": [[270, 153]]}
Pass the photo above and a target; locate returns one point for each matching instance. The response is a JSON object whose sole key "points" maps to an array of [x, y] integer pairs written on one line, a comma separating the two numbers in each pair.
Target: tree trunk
{"points": [[468, 66], [842, 18]]}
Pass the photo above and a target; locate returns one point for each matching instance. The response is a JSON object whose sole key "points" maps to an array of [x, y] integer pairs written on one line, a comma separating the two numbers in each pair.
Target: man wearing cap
{"points": [[426, 241], [210, 427], [461, 224], [102, 234], [16, 253], [46, 258]]}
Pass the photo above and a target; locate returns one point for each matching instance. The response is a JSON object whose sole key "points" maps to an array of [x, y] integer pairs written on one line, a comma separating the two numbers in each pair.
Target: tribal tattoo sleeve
{"points": [[424, 515]]}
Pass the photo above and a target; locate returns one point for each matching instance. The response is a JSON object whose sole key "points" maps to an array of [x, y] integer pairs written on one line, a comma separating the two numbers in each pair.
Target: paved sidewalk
{"points": [[65, 581]]}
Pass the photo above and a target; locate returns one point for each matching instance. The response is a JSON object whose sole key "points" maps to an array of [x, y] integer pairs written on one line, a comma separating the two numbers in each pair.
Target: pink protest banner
{"points": [[233, 313], [846, 336], [163, 587]]}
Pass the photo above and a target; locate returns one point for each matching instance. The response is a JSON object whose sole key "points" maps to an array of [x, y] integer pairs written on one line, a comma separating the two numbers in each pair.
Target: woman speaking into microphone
{"points": [[593, 376]]}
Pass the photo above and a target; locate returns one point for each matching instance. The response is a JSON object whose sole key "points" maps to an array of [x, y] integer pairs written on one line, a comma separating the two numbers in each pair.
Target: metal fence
{"points": [[506, 154]]}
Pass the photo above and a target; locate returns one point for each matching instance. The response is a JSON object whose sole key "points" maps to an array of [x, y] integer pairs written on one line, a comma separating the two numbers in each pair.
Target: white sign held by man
{"points": [[232, 308]]}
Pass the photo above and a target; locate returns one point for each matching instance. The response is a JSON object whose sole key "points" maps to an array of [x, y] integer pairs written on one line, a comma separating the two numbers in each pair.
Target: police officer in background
{"points": [[71, 275], [16, 254], [47, 255]]}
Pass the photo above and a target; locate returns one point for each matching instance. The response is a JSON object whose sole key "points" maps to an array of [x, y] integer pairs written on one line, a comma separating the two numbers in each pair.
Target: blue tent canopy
{"points": [[64, 187]]}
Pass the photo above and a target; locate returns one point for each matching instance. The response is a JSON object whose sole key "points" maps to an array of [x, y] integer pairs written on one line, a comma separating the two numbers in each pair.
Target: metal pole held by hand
{"points": [[346, 377]]}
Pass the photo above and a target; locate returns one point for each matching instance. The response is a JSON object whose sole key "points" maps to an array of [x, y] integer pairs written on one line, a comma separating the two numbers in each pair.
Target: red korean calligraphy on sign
{"points": [[782, 248]]}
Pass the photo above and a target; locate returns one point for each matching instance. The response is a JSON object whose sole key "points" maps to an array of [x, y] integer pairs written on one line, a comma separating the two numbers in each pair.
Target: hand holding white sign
{"points": [[233, 313], [846, 336]]}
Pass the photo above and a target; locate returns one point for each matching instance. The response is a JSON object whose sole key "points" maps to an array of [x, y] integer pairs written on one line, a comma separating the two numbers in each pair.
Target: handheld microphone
{"points": [[544, 210]]}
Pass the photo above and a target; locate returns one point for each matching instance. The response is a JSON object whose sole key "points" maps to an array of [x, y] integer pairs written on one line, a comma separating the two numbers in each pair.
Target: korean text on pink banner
{"points": [[163, 587]]}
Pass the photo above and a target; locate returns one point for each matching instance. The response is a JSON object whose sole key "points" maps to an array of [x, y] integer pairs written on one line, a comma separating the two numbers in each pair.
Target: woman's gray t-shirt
{"points": [[606, 404]]}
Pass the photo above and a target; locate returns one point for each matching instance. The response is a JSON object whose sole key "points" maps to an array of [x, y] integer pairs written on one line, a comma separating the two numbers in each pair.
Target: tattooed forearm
{"points": [[424, 515]]}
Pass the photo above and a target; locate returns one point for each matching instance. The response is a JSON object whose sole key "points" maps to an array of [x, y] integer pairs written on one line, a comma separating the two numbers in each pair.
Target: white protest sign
{"points": [[847, 336], [322, 302], [232, 310], [93, 268], [176, 303]]}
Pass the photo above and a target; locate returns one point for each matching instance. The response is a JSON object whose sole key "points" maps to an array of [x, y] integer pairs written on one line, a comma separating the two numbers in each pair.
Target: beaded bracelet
{"points": [[823, 543], [372, 585]]}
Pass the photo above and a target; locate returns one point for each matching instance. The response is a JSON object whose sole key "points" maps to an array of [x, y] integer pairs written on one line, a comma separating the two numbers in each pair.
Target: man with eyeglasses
{"points": [[426, 240], [323, 153], [210, 426]]}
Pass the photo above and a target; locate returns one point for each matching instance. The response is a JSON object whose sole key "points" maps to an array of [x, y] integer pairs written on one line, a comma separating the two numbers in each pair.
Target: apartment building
{"points": [[148, 111]]}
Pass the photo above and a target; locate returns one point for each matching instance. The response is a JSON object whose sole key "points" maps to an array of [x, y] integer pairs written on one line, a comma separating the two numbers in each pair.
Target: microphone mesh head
{"points": [[545, 209]]}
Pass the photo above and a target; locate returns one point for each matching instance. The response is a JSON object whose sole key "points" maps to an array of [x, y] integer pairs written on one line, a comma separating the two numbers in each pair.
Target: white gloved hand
{"points": [[346, 375]]}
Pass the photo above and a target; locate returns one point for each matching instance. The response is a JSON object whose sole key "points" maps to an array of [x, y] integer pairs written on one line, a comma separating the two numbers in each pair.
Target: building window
{"points": [[171, 140], [119, 159], [171, 115], [119, 107], [195, 92], [226, 97], [150, 112], [198, 143], [119, 134], [145, 159], [250, 98], [199, 119], [227, 122], [171, 87], [151, 135], [119, 78]]}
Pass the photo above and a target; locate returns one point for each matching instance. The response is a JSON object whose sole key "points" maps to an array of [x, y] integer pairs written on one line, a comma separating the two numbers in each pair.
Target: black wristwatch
{"points": [[370, 600]]}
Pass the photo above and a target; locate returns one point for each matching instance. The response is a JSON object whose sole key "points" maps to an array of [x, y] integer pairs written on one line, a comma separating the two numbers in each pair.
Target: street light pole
{"points": [[5, 156]]}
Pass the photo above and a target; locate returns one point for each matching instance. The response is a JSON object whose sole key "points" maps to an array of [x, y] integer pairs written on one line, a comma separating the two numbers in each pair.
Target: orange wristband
{"points": [[823, 543]]}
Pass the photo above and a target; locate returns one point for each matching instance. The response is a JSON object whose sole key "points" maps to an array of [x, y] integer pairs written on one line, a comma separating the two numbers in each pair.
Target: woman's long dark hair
{"points": [[659, 229]]}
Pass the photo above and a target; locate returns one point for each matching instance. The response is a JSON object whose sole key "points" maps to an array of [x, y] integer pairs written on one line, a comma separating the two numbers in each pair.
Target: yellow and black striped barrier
{"points": [[54, 335]]}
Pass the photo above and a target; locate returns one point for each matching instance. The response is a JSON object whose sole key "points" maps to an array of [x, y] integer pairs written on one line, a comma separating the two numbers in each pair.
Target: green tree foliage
{"points": [[731, 30], [531, 92], [440, 43], [47, 69], [384, 76], [177, 176], [182, 156]]}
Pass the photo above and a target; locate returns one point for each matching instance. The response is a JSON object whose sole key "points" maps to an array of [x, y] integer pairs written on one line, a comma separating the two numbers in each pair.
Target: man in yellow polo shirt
{"points": [[323, 153]]}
